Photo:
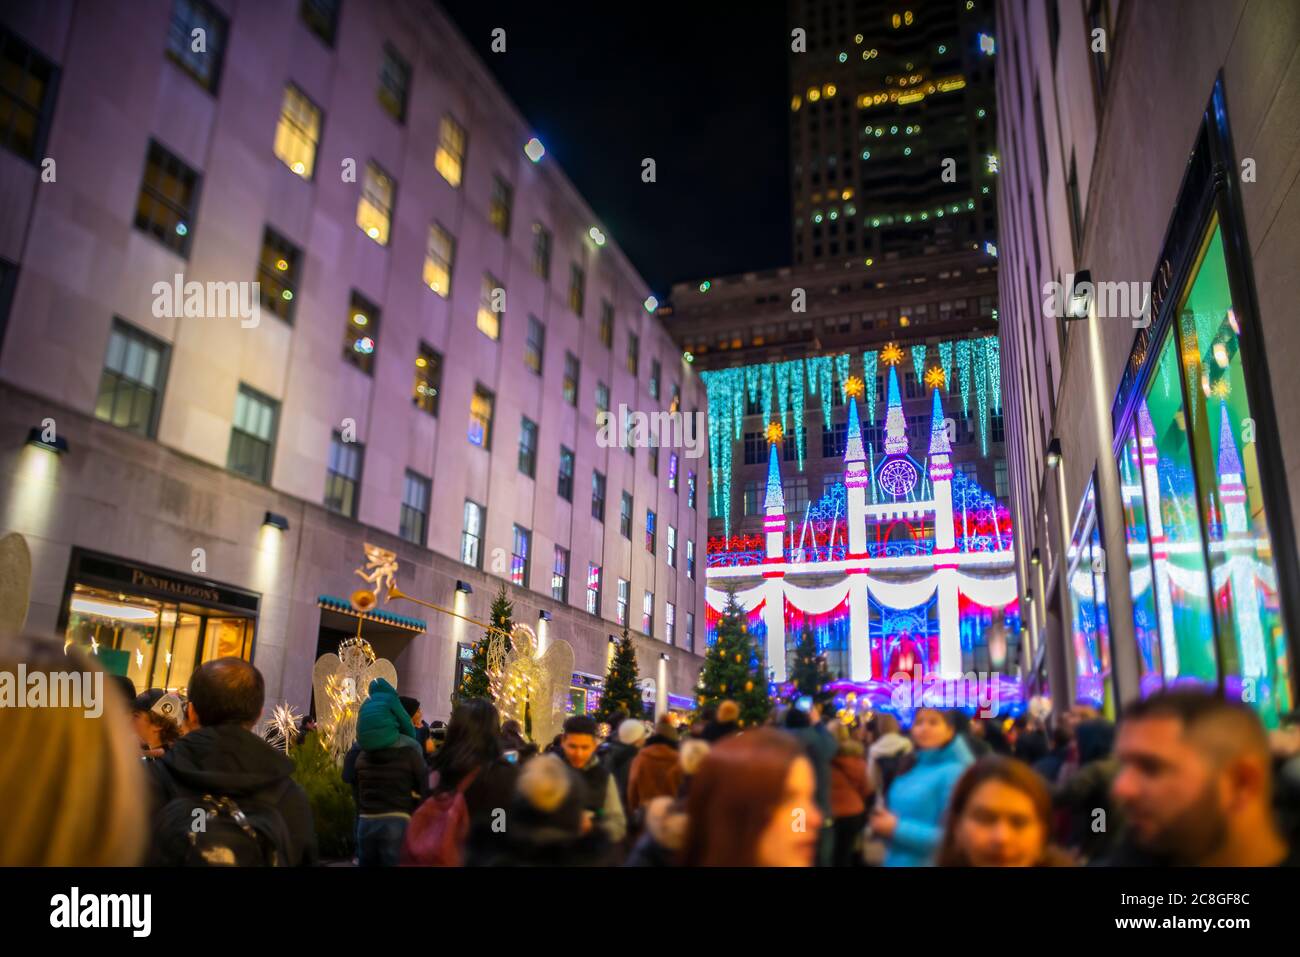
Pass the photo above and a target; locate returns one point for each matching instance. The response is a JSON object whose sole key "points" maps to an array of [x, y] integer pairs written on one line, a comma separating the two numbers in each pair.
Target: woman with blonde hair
{"points": [[71, 778]]}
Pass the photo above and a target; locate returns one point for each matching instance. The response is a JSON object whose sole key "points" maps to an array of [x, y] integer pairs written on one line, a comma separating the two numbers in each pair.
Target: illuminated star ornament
{"points": [[891, 355], [934, 377], [853, 387], [775, 433]]}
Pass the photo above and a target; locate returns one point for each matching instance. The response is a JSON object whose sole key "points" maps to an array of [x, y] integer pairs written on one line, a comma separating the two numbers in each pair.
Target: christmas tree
{"points": [[621, 693], [476, 682], [809, 672], [733, 669]]}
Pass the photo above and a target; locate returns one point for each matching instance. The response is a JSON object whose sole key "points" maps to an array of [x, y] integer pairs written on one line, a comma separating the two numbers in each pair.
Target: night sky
{"points": [[701, 87]]}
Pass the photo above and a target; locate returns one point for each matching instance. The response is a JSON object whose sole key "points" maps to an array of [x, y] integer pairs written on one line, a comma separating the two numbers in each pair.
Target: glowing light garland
{"points": [[796, 402], [869, 378], [963, 369], [945, 360], [918, 362]]}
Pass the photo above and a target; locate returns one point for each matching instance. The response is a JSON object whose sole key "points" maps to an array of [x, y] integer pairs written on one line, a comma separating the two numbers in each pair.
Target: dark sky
{"points": [[701, 87]]}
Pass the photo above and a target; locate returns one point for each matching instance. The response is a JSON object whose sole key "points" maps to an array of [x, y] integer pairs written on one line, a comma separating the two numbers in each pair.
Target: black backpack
{"points": [[250, 832]]}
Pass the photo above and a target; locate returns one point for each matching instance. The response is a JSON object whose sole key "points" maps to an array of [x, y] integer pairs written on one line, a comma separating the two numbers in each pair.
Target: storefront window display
{"points": [[1086, 570]]}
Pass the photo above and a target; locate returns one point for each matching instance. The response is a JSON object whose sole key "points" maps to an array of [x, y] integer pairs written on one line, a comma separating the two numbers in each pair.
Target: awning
{"points": [[334, 603]]}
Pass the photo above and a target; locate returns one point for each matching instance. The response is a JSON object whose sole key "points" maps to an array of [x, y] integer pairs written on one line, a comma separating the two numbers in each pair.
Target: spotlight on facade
{"points": [[464, 586], [534, 150], [36, 437], [1029, 597], [544, 616], [276, 521], [597, 236], [688, 356], [1034, 557], [663, 656], [1080, 295], [1053, 453]]}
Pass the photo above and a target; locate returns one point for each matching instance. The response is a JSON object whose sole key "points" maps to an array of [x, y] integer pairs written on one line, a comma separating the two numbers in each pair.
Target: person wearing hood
{"points": [[387, 785], [382, 722], [657, 770], [222, 757], [850, 789], [912, 825], [624, 746], [549, 826]]}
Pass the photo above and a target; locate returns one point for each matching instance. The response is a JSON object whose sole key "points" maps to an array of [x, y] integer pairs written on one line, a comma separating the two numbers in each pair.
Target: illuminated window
{"points": [[625, 516], [522, 540], [439, 258], [577, 288], [670, 621], [480, 417], [624, 587], [598, 496], [672, 471], [450, 158], [560, 575], [528, 447], [375, 208], [672, 547], [361, 333], [564, 482], [535, 345], [471, 535], [541, 252], [690, 489], [690, 559], [607, 324], [572, 371], [602, 397], [204, 65], [648, 613], [656, 373], [277, 274], [394, 83], [651, 535], [168, 195], [343, 475], [428, 380], [414, 521], [633, 352], [27, 84], [298, 132], [593, 589], [491, 303], [500, 205]]}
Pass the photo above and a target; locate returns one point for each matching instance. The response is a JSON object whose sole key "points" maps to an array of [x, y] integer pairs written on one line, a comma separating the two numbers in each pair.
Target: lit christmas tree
{"points": [[809, 672], [621, 693], [478, 680], [733, 669]]}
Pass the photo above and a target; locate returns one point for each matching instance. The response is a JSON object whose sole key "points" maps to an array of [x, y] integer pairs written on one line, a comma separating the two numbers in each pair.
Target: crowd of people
{"points": [[1185, 778]]}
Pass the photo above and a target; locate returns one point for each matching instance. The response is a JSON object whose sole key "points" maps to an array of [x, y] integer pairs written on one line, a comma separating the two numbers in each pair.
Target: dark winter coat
{"points": [[618, 762], [850, 786], [656, 772], [715, 731], [389, 781], [493, 787], [382, 721], [230, 761], [665, 834]]}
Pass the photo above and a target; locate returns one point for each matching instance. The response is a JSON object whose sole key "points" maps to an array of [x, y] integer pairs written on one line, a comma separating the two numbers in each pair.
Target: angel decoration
{"points": [[533, 688], [341, 683]]}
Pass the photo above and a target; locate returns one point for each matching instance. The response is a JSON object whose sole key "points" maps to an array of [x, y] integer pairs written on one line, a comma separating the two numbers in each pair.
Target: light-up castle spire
{"points": [[895, 423], [939, 444]]}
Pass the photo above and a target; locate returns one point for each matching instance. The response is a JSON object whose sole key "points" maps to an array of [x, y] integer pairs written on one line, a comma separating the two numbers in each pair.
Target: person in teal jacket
{"points": [[918, 799], [382, 722]]}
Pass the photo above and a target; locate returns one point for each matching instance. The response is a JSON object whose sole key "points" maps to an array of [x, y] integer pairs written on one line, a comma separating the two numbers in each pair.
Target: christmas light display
{"points": [[869, 377], [964, 371], [918, 361], [945, 360]]}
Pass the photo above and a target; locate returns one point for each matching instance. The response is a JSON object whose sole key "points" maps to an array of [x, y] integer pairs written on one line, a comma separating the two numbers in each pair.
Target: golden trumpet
{"points": [[363, 599]]}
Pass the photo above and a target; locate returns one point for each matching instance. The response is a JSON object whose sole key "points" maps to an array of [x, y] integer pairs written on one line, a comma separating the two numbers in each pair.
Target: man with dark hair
{"points": [[600, 796], [242, 784], [1195, 784]]}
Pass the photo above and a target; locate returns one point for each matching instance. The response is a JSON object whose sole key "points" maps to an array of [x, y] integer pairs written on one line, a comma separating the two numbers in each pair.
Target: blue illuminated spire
{"points": [[938, 434]]}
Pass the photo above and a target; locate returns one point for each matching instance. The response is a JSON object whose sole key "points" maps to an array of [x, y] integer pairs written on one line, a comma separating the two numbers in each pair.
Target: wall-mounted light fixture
{"points": [[1053, 458], [1034, 557], [276, 521], [663, 656], [36, 437], [544, 616], [464, 586], [1080, 295]]}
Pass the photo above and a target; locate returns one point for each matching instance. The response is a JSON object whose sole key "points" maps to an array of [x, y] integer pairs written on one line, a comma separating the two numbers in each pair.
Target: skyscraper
{"points": [[891, 128]]}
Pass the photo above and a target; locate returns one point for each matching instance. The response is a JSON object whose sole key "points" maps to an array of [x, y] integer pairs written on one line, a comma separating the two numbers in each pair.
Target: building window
{"points": [[132, 382], [535, 344], [564, 484], [672, 546], [471, 535], [415, 508], [1099, 45], [541, 252], [375, 208], [655, 372], [625, 516], [653, 456], [298, 132], [672, 471], [277, 274], [593, 589], [598, 496], [607, 325], [633, 352], [648, 613], [394, 83], [480, 417], [624, 587], [1001, 485], [428, 380], [690, 489], [650, 534], [252, 434], [602, 397], [321, 18], [361, 333], [690, 559], [27, 84], [1076, 209], [560, 575], [343, 475], [168, 198], [522, 539], [528, 447], [491, 303], [752, 498], [499, 206], [577, 288], [835, 440], [204, 65], [571, 377], [675, 403], [670, 622], [450, 158], [690, 631], [439, 259]]}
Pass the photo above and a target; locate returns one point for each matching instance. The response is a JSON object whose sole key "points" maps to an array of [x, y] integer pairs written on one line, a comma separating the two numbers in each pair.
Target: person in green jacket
{"points": [[382, 722]]}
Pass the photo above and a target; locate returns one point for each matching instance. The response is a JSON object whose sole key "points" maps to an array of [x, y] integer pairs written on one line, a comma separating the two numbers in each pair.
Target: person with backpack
{"points": [[472, 780], [256, 814]]}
